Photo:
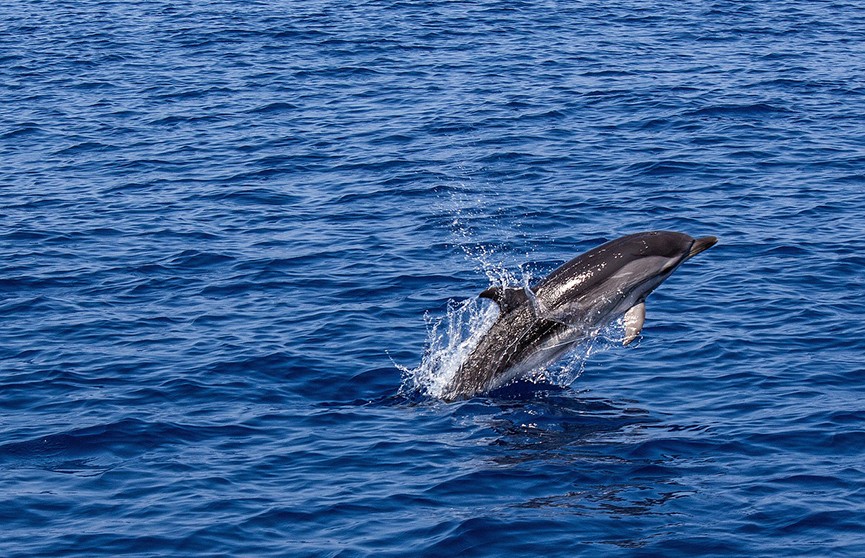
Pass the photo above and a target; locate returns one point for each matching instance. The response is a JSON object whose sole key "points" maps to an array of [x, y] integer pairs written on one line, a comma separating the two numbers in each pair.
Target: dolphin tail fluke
{"points": [[634, 319]]}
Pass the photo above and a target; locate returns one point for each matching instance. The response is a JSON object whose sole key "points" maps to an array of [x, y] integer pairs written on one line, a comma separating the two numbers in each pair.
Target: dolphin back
{"points": [[599, 264]]}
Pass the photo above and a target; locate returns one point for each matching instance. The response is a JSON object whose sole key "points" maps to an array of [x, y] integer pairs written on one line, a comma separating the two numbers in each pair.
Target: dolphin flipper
{"points": [[634, 319]]}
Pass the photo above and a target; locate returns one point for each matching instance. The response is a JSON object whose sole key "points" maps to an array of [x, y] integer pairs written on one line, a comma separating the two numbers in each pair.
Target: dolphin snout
{"points": [[701, 244]]}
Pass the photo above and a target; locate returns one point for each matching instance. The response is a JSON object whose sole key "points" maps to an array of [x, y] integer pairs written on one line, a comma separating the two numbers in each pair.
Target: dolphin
{"points": [[536, 326]]}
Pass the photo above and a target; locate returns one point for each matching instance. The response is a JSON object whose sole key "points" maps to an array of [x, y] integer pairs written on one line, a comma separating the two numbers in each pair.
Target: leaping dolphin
{"points": [[536, 326]]}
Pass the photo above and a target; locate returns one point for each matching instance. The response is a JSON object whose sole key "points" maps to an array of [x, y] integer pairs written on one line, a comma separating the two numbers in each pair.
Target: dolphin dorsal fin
{"points": [[634, 319], [507, 298]]}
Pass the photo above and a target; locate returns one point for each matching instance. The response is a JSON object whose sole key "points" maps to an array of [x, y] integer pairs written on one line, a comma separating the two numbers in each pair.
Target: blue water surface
{"points": [[228, 231]]}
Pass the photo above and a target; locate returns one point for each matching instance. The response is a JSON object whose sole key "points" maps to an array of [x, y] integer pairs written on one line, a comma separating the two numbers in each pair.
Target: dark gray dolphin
{"points": [[537, 326]]}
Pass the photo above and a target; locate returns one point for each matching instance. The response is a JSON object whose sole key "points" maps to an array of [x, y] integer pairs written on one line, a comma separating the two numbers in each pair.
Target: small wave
{"points": [[23, 129], [278, 106], [739, 110]]}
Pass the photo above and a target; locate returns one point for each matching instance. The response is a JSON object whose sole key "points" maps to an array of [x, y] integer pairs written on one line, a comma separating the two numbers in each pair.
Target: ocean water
{"points": [[236, 237]]}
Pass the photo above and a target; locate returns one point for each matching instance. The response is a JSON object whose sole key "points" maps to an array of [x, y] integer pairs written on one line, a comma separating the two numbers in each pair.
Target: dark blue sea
{"points": [[239, 239]]}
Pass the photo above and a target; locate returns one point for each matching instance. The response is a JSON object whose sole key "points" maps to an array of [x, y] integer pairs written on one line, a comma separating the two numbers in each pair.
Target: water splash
{"points": [[495, 248], [450, 340]]}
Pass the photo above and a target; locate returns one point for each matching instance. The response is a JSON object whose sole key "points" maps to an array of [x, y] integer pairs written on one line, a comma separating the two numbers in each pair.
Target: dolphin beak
{"points": [[702, 244]]}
